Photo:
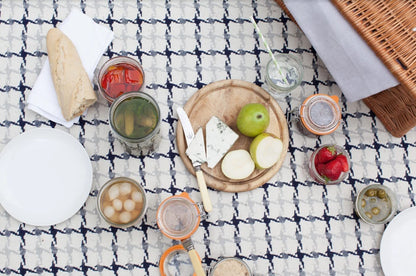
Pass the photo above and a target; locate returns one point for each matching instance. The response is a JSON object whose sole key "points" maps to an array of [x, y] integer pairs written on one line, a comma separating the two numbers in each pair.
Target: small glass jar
{"points": [[135, 121], [178, 216], [119, 75], [230, 266], [281, 83], [376, 204], [122, 202], [176, 261], [313, 171], [318, 115]]}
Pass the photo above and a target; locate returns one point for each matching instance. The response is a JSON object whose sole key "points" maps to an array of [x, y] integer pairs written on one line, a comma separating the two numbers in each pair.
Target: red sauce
{"points": [[121, 78]]}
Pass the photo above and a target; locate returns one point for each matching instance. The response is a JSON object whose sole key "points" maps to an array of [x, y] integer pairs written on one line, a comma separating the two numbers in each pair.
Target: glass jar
{"points": [[314, 171], [230, 266], [178, 217], [176, 261], [119, 75], [122, 202], [318, 115], [135, 121], [281, 83], [376, 204]]}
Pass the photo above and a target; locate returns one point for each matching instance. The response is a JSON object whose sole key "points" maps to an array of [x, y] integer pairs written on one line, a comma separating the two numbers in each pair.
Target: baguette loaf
{"points": [[72, 85]]}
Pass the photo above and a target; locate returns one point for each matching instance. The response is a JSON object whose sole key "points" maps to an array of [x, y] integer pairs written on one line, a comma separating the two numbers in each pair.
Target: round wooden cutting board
{"points": [[224, 99]]}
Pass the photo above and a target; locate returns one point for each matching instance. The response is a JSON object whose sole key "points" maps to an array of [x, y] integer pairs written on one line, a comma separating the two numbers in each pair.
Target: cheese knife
{"points": [[196, 152]]}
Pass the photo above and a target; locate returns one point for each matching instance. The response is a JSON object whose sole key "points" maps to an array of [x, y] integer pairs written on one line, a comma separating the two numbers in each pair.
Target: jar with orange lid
{"points": [[319, 114], [178, 218]]}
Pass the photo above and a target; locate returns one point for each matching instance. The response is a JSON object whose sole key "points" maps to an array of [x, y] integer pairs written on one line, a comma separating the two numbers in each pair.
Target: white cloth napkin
{"points": [[354, 66], [90, 40]]}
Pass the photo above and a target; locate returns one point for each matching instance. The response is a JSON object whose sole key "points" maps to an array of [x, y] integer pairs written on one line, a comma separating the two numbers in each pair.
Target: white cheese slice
{"points": [[220, 138]]}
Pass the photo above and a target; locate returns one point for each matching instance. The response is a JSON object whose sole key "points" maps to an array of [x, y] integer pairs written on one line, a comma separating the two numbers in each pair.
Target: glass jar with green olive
{"points": [[376, 204]]}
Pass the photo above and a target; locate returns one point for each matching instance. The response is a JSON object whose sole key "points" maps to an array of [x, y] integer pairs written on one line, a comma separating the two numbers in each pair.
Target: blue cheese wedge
{"points": [[220, 138]]}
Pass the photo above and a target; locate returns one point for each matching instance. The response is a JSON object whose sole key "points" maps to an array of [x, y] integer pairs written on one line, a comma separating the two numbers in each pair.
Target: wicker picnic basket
{"points": [[388, 27]]}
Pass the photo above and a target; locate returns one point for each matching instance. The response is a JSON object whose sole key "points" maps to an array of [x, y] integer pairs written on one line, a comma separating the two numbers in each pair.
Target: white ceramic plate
{"points": [[45, 177], [398, 245]]}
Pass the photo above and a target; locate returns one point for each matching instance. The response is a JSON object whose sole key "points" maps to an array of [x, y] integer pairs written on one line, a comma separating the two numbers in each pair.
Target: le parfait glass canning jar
{"points": [[178, 217], [318, 115], [135, 120], [175, 261]]}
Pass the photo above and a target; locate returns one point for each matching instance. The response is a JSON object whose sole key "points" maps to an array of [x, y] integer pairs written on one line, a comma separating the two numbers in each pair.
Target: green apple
{"points": [[253, 119], [265, 150]]}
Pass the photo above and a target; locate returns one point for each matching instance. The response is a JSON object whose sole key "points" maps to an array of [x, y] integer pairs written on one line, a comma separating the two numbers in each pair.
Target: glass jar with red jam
{"points": [[120, 75]]}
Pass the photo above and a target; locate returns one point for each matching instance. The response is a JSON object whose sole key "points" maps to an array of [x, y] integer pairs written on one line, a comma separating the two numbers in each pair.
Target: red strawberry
{"points": [[332, 169], [320, 168], [344, 162], [325, 155]]}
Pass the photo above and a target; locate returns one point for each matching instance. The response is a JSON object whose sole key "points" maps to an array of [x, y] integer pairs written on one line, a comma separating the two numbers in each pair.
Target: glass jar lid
{"points": [[178, 217], [321, 114]]}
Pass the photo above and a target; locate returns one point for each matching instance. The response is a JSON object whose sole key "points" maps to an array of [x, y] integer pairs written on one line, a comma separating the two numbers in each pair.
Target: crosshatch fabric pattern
{"points": [[289, 226]]}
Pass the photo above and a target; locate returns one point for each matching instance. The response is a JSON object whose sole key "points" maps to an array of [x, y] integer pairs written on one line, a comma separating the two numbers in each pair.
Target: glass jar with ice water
{"points": [[284, 77]]}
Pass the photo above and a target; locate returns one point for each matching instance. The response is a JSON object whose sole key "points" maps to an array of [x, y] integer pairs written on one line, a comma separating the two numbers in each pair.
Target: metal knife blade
{"points": [[196, 149], [186, 125]]}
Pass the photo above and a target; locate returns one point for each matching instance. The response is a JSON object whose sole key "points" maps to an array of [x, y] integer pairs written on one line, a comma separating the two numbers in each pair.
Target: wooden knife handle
{"points": [[196, 263], [203, 190]]}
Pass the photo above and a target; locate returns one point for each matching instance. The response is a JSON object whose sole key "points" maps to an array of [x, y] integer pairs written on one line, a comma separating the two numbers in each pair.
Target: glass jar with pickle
{"points": [[135, 121]]}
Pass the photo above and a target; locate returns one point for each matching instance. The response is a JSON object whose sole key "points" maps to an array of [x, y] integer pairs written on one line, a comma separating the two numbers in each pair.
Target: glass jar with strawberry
{"points": [[329, 164]]}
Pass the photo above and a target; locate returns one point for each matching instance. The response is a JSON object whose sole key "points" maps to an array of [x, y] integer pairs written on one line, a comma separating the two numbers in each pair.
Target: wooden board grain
{"points": [[224, 99]]}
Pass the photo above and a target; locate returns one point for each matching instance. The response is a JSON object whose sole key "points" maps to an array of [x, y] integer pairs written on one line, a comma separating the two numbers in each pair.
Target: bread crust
{"points": [[72, 85]]}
